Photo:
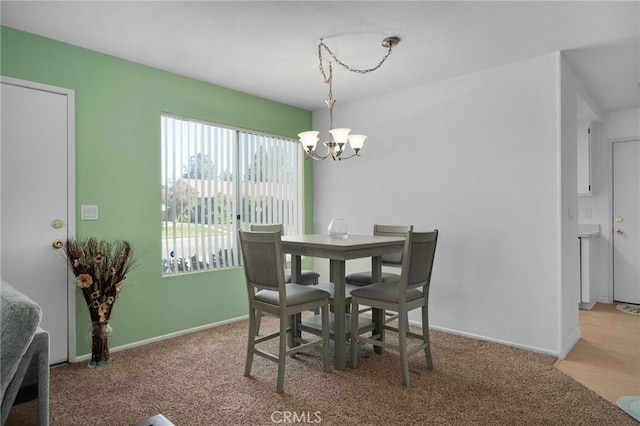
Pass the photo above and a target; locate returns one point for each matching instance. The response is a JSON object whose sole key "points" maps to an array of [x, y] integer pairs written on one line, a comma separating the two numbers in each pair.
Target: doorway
{"points": [[38, 203], [626, 217]]}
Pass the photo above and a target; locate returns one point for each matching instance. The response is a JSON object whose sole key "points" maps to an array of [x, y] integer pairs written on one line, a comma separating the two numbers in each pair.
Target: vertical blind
{"points": [[217, 180]]}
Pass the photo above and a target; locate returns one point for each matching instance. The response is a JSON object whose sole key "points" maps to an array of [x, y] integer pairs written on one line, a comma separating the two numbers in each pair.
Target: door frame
{"points": [[609, 228], [71, 194]]}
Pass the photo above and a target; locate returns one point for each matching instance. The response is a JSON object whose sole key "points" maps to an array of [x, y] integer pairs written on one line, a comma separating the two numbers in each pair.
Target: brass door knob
{"points": [[619, 231], [57, 244]]}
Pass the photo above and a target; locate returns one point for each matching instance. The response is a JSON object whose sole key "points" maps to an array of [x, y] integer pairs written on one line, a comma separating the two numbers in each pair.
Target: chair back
{"points": [[392, 259], [275, 227], [262, 261], [268, 228], [420, 250]]}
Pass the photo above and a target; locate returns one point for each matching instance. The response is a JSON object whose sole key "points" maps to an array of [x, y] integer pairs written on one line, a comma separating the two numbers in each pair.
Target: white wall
{"points": [[570, 251], [621, 125], [477, 157]]}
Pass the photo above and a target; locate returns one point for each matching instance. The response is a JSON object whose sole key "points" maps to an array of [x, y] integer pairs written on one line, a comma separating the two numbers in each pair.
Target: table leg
{"points": [[296, 275], [378, 315], [337, 272], [296, 268]]}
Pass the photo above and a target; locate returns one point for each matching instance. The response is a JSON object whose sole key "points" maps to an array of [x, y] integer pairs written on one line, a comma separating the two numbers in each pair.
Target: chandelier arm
{"points": [[339, 157], [317, 157], [346, 158]]}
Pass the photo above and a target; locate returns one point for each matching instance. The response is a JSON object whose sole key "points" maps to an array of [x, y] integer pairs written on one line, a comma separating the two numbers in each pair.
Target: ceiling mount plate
{"points": [[390, 41]]}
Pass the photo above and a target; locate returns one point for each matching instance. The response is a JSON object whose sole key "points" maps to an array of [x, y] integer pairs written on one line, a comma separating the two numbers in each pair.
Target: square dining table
{"points": [[338, 251]]}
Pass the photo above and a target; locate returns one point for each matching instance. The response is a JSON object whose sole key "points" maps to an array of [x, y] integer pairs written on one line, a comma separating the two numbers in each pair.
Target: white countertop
{"points": [[588, 230]]}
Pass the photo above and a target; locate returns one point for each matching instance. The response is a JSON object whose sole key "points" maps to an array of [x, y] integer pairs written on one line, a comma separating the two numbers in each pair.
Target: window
{"points": [[216, 180]]}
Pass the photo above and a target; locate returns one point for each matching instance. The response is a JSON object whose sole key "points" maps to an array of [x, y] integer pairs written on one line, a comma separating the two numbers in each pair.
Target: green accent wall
{"points": [[118, 105]]}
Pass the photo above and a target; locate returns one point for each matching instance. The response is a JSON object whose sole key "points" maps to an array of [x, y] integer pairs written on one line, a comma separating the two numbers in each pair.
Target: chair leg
{"points": [[282, 355], [251, 341], [325, 338], [294, 332], [403, 325], [258, 321], [425, 337], [353, 353]]}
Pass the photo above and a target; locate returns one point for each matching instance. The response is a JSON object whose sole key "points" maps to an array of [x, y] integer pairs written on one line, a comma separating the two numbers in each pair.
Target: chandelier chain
{"points": [[345, 66]]}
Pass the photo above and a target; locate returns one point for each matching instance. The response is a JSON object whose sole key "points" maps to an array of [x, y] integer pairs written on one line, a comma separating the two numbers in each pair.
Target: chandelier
{"points": [[338, 138]]}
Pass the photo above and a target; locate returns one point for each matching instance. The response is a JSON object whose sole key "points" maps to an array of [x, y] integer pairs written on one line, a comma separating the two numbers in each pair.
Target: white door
{"points": [[626, 218], [35, 213]]}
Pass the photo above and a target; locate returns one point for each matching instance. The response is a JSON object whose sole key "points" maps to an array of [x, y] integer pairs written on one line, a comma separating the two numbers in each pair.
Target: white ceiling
{"points": [[270, 48]]}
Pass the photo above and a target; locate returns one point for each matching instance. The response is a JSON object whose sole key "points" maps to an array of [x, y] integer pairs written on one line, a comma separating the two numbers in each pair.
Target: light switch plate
{"points": [[89, 212]]}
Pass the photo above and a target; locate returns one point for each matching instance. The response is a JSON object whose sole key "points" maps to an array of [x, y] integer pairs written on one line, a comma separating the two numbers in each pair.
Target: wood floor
{"points": [[607, 357]]}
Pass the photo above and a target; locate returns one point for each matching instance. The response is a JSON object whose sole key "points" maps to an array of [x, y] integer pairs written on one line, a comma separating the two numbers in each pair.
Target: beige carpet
{"points": [[196, 380]]}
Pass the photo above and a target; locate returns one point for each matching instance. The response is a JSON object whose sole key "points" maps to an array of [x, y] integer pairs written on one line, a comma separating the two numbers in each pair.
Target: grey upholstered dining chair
{"points": [[306, 277], [360, 279], [268, 293], [410, 293], [393, 259]]}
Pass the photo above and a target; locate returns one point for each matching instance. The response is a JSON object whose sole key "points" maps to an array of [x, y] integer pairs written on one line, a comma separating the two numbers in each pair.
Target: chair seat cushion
{"points": [[296, 295], [386, 293], [306, 278], [364, 278]]}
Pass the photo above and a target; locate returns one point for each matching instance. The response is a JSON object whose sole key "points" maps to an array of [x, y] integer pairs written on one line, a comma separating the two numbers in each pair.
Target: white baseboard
{"points": [[587, 306], [87, 357], [503, 342], [561, 355], [573, 339]]}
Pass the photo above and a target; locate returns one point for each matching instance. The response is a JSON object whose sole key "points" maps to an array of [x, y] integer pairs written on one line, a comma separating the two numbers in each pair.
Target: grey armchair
{"points": [[22, 343]]}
